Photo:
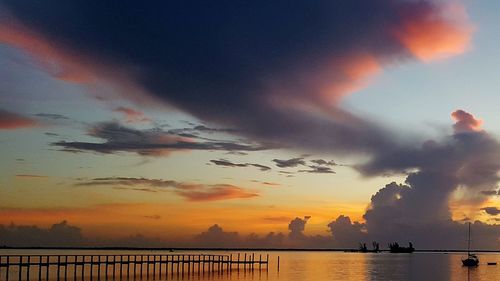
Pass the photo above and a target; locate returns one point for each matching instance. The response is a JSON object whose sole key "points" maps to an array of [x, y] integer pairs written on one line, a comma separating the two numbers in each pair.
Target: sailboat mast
{"points": [[468, 242]]}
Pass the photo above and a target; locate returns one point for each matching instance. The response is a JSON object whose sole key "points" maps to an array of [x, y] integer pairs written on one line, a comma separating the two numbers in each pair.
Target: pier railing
{"points": [[161, 266]]}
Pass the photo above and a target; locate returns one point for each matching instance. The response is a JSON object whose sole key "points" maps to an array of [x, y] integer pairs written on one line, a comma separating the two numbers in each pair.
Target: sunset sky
{"points": [[163, 119]]}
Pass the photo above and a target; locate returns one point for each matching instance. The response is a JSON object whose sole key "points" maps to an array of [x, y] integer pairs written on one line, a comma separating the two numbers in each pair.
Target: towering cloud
{"points": [[284, 66], [419, 209]]}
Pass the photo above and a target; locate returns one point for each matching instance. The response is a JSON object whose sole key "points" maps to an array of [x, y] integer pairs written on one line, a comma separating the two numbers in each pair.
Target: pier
{"points": [[152, 266]]}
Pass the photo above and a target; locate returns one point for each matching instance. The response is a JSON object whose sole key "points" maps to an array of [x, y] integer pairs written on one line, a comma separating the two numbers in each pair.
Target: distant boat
{"points": [[364, 249], [472, 259], [395, 248]]}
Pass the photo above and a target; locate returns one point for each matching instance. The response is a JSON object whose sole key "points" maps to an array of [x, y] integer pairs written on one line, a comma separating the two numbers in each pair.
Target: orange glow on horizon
{"points": [[175, 221]]}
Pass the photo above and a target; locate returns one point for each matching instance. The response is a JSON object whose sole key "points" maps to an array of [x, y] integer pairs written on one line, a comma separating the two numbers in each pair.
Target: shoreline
{"points": [[233, 249]]}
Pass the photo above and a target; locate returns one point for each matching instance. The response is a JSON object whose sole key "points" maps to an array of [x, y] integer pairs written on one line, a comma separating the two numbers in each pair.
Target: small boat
{"points": [[395, 248], [472, 259]]}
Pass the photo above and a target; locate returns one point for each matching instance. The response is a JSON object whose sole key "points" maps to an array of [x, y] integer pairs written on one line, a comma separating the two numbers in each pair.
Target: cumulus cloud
{"points": [[465, 122], [297, 227], [226, 163], [59, 234], [12, 121], [284, 70], [468, 159], [189, 191], [216, 237], [149, 142], [346, 233]]}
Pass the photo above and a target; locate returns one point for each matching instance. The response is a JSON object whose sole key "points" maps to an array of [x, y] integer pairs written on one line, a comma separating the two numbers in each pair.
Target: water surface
{"points": [[311, 265]]}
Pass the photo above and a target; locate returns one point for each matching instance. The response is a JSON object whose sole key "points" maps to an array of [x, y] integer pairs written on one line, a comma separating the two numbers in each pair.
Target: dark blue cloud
{"points": [[256, 66]]}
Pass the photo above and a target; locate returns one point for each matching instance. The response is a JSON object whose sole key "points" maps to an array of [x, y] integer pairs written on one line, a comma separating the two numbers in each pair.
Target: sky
{"points": [[269, 124]]}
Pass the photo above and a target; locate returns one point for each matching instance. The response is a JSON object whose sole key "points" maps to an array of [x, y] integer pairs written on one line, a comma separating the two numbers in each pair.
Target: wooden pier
{"points": [[154, 266]]}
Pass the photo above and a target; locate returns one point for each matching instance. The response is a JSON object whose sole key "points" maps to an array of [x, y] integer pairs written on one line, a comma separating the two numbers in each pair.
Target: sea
{"points": [[293, 266]]}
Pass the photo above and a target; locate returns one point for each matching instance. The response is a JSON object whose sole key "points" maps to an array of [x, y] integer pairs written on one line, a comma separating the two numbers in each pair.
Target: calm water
{"points": [[295, 266]]}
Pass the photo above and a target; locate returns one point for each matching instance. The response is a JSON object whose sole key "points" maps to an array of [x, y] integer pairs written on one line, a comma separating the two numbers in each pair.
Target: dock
{"points": [[152, 266]]}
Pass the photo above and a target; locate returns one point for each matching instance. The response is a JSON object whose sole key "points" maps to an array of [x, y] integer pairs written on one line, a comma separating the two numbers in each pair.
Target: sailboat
{"points": [[471, 259]]}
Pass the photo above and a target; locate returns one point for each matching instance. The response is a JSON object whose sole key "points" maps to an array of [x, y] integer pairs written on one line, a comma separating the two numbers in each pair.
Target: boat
{"points": [[472, 259], [395, 248]]}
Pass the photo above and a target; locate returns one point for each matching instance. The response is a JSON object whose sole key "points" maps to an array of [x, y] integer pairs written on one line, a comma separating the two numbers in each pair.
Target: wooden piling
{"points": [[47, 268], [65, 268], [39, 268], [135, 266], [99, 267], [75, 268]]}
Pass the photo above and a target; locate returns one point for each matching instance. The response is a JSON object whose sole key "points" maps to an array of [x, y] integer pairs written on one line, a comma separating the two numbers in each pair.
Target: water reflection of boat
{"points": [[472, 259]]}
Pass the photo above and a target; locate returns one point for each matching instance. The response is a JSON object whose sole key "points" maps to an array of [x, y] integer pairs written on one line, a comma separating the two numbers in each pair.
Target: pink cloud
{"points": [[465, 122], [431, 34], [131, 115], [12, 121], [215, 193]]}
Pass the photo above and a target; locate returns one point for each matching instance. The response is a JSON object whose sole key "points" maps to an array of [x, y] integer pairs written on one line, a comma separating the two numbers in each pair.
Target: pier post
{"points": [[39, 268], [83, 269], [167, 265], [99, 267], [28, 269], [147, 268], [183, 264], [47, 268], [278, 263], [121, 266], [106, 267], [20, 267], [142, 258], [128, 266], [135, 266], [7, 270], [65, 268], [75, 268], [159, 270], [154, 267], [114, 267]]}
